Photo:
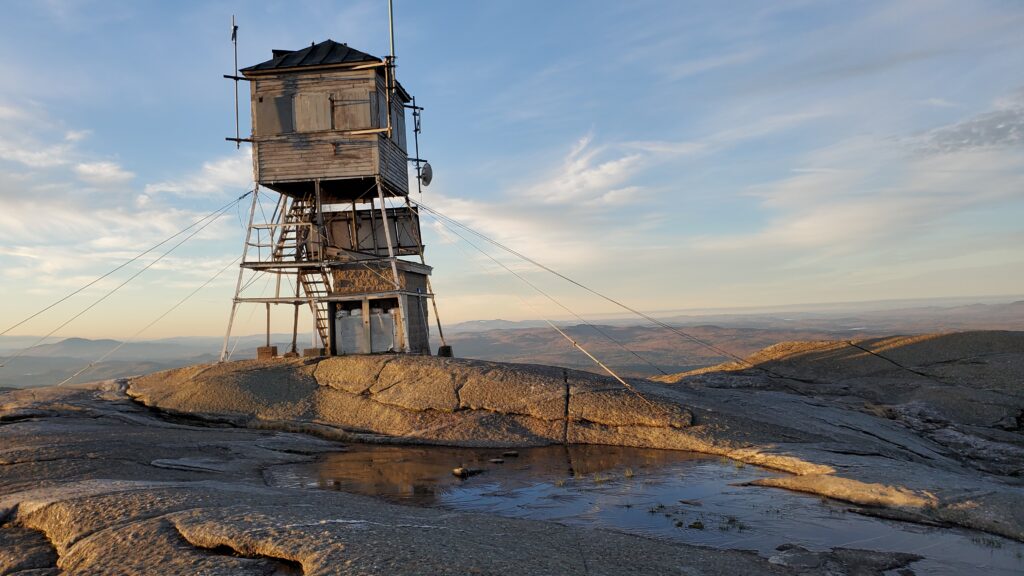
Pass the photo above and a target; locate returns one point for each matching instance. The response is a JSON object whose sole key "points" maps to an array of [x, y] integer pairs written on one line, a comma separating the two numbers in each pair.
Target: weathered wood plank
{"points": [[300, 121]]}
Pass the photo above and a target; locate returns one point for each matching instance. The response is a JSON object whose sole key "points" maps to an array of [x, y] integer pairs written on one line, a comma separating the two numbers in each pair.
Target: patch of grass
{"points": [[628, 473], [560, 482], [696, 525]]}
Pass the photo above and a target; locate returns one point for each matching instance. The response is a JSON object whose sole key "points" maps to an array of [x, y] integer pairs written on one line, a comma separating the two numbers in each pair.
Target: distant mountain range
{"points": [[893, 316], [638, 349], [49, 363]]}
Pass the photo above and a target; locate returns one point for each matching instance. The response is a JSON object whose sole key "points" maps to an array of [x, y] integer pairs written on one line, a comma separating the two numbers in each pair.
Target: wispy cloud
{"points": [[225, 175], [938, 103], [103, 173], [592, 204], [586, 175], [863, 194], [53, 230], [687, 68], [1001, 127], [30, 138]]}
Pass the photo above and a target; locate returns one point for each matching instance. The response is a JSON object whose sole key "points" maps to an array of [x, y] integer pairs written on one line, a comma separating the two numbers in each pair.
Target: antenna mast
{"points": [[234, 41], [234, 76], [415, 109], [390, 68], [391, 28]]}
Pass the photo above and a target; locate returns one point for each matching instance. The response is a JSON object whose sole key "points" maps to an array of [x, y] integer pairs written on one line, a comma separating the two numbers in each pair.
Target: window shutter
{"points": [[274, 115], [312, 112], [352, 110]]}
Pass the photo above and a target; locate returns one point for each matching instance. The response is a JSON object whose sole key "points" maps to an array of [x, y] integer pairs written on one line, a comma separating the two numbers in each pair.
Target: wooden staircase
{"points": [[291, 245], [315, 285]]}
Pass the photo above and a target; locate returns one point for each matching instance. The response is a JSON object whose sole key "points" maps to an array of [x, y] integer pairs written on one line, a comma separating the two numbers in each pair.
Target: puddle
{"points": [[679, 496]]}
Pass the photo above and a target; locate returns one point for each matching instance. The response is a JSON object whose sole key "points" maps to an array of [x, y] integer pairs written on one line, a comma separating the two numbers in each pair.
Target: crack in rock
{"points": [[221, 546]]}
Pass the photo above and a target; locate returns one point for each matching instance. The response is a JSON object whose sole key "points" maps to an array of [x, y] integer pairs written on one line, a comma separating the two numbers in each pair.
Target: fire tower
{"points": [[329, 145]]}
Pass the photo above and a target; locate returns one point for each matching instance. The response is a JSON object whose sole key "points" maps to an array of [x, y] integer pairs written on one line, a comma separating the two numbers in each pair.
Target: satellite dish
{"points": [[426, 174]]}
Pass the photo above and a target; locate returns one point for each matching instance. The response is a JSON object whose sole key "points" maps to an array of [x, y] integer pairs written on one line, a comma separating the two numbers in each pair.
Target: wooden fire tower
{"points": [[329, 147]]}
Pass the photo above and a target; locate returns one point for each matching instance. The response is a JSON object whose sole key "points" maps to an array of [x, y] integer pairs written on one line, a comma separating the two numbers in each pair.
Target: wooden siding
{"points": [[404, 226], [327, 80], [394, 166], [394, 160], [301, 123], [326, 156]]}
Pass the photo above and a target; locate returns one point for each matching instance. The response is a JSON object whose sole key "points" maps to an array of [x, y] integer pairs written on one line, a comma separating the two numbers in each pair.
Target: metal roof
{"points": [[326, 53]]}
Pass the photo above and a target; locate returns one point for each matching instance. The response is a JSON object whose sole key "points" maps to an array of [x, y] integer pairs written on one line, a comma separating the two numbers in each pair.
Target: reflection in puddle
{"points": [[682, 496], [423, 475]]}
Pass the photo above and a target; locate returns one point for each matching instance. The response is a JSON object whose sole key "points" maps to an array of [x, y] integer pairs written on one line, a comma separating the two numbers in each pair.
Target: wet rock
{"points": [[197, 464], [462, 472], [911, 433], [838, 561], [797, 557], [854, 491], [474, 403], [77, 502]]}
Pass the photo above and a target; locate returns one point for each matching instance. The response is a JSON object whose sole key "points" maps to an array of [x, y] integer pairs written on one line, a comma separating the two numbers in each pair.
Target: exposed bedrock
{"points": [[837, 445], [93, 483], [424, 399]]}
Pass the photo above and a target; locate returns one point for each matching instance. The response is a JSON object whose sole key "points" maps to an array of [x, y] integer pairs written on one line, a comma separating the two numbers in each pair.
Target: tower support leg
{"points": [[402, 304], [231, 320], [238, 284]]}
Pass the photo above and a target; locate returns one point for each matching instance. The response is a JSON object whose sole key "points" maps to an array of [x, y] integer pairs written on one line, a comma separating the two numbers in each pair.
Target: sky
{"points": [[674, 155]]}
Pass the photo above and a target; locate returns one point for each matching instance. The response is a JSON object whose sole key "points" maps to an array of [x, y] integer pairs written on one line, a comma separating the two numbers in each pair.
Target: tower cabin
{"points": [[328, 135], [322, 113]]}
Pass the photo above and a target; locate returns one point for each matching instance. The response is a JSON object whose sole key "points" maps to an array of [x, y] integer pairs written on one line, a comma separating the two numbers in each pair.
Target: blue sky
{"points": [[674, 154]]}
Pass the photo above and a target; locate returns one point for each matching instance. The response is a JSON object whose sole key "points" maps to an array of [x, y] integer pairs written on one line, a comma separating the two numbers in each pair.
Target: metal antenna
{"points": [[416, 138], [390, 69], [234, 76], [391, 28], [416, 110], [234, 41]]}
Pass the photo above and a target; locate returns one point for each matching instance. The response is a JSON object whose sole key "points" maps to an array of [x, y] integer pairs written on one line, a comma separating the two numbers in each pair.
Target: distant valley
{"points": [[642, 350]]}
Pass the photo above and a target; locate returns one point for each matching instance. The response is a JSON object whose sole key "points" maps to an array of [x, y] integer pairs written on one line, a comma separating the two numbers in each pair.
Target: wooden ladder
{"points": [[314, 281], [315, 286], [287, 245]]}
